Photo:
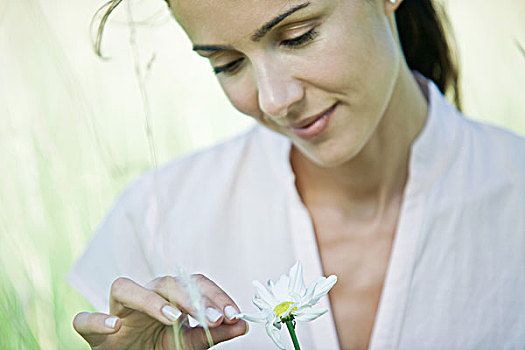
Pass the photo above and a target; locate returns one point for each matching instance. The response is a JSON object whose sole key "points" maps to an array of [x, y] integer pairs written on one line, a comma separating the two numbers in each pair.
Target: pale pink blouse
{"points": [[456, 277]]}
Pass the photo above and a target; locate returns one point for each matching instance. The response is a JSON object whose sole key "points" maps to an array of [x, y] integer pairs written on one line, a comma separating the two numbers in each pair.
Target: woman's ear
{"points": [[391, 6]]}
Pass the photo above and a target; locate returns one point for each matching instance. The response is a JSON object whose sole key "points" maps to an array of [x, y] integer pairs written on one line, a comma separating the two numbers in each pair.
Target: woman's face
{"points": [[320, 72]]}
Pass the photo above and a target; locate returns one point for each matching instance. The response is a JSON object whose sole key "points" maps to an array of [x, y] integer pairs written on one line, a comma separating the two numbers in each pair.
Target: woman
{"points": [[367, 173]]}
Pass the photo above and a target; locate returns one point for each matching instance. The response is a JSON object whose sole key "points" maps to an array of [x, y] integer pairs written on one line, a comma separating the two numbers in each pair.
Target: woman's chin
{"points": [[331, 157]]}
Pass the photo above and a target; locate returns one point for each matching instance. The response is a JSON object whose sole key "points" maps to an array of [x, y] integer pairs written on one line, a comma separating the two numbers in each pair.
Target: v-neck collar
{"points": [[429, 153]]}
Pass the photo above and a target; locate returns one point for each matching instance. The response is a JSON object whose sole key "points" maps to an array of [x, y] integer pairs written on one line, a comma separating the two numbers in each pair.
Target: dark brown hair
{"points": [[421, 31], [426, 46]]}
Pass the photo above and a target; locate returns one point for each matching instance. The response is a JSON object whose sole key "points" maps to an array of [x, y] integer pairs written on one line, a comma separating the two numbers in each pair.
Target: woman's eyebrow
{"points": [[211, 48], [259, 34]]}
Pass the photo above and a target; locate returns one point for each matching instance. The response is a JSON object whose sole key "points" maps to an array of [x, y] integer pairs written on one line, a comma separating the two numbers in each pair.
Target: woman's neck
{"points": [[363, 187]]}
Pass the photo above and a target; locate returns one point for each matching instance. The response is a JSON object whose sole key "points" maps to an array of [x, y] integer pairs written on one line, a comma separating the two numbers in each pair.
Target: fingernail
{"points": [[212, 314], [111, 322], [247, 328], [171, 313], [230, 312]]}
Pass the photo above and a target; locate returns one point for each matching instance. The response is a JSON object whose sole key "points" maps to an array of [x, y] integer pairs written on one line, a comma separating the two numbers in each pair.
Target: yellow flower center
{"points": [[282, 307]]}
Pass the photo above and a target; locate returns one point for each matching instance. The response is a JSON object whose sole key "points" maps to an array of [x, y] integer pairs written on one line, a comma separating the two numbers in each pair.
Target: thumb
{"points": [[95, 327]]}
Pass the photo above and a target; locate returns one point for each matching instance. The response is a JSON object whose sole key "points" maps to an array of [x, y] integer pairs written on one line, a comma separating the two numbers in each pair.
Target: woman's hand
{"points": [[140, 317]]}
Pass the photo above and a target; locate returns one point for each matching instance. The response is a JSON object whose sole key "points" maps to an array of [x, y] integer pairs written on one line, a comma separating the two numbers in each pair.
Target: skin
{"points": [[351, 178], [141, 324]]}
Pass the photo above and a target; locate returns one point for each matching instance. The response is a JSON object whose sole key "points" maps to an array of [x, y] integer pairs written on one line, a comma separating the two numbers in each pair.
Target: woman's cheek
{"points": [[331, 64], [243, 97]]}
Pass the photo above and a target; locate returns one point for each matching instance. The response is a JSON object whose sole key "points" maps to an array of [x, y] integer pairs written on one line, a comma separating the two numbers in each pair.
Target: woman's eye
{"points": [[300, 40], [233, 67], [229, 68]]}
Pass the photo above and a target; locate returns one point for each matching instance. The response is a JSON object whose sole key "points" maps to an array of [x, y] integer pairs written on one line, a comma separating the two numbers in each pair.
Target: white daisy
{"points": [[288, 300]]}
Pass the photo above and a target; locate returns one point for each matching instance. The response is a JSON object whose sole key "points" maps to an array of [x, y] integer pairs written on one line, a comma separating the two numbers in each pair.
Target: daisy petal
{"points": [[259, 317], [322, 288], [275, 335], [309, 314], [194, 294], [273, 318], [269, 283], [289, 310], [266, 295], [280, 289], [311, 290], [260, 303], [296, 279]]}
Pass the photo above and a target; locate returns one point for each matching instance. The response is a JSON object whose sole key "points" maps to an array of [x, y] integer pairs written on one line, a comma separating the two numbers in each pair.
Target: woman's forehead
{"points": [[219, 20]]}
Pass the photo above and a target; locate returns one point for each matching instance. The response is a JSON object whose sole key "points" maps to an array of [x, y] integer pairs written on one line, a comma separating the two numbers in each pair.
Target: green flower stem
{"points": [[291, 329], [208, 336], [179, 343]]}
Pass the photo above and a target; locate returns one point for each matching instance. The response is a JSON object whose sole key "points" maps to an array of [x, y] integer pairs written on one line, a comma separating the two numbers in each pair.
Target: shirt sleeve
{"points": [[116, 250]]}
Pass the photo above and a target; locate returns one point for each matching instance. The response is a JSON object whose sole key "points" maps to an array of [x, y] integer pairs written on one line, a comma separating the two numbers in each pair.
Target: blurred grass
{"points": [[72, 133]]}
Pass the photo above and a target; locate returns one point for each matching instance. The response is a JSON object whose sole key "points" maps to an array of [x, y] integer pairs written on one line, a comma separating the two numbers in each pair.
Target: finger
{"points": [[217, 302], [171, 289], [96, 323], [174, 290], [230, 311], [197, 335], [127, 296], [91, 326], [217, 299]]}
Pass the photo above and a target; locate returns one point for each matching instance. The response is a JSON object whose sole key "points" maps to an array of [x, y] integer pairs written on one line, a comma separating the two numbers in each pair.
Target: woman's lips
{"points": [[314, 126]]}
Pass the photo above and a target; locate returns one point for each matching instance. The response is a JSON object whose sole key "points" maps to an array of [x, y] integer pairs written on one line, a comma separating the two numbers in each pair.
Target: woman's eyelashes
{"points": [[300, 40], [232, 67], [229, 67]]}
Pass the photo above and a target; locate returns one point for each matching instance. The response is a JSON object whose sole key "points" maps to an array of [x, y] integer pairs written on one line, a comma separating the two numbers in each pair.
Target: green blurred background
{"points": [[73, 130]]}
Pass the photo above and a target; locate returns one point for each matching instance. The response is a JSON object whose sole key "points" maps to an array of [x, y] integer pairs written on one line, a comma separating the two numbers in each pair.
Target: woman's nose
{"points": [[278, 91]]}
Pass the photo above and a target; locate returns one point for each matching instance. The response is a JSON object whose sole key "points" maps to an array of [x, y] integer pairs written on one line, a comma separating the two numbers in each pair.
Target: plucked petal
{"points": [[322, 288], [259, 317], [297, 287], [266, 295], [275, 335], [308, 314], [194, 294]]}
